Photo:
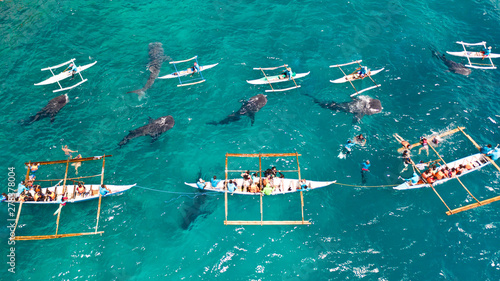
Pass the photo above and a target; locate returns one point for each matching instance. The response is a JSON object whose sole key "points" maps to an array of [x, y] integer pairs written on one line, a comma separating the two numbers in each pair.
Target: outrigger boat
{"points": [[472, 163], [477, 161], [56, 78], [356, 76], [277, 78], [68, 194], [178, 74], [475, 55], [280, 186]]}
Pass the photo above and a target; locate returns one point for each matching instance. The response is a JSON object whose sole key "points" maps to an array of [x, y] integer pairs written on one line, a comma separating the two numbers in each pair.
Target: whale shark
{"points": [[249, 108], [156, 59], [51, 109], [454, 67], [359, 106], [155, 128]]}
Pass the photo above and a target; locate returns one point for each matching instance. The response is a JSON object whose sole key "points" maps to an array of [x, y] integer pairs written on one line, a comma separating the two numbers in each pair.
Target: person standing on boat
{"points": [[364, 170], [486, 52], [68, 151], [267, 190]]}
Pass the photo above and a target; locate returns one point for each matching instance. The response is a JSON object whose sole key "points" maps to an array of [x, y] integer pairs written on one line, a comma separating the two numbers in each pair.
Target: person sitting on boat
{"points": [[267, 190], [3, 197], [303, 184], [274, 171], [246, 174], [214, 182], [469, 166], [486, 52], [201, 184], [195, 68], [231, 187], [68, 151], [22, 197], [51, 196], [38, 196], [246, 184], [495, 154], [103, 190], [255, 178], [254, 188], [486, 149], [21, 188], [73, 69], [81, 189], [363, 72], [287, 73], [413, 180], [440, 175], [28, 197], [424, 142]]}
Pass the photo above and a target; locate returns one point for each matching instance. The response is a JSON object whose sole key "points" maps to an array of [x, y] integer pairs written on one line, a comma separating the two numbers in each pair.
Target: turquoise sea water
{"points": [[174, 233]]}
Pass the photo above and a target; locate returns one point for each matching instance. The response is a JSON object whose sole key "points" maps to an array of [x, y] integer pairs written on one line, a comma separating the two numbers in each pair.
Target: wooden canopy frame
{"points": [[56, 235], [467, 207], [262, 221]]}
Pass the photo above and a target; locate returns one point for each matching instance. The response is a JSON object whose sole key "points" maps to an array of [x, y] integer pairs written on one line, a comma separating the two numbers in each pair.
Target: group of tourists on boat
{"points": [[273, 181], [433, 173]]}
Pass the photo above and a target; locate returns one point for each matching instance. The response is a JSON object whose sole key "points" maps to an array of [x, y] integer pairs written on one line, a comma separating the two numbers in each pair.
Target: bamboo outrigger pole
{"points": [[435, 191], [348, 80], [455, 177], [301, 194], [479, 148], [260, 183], [481, 203], [225, 195], [267, 79]]}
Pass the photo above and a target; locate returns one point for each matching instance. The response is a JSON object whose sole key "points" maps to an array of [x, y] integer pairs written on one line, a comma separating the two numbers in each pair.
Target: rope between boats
{"points": [[171, 192], [353, 185]]}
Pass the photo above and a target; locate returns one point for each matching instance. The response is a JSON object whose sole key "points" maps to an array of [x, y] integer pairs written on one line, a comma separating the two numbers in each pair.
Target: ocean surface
{"points": [[164, 230]]}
